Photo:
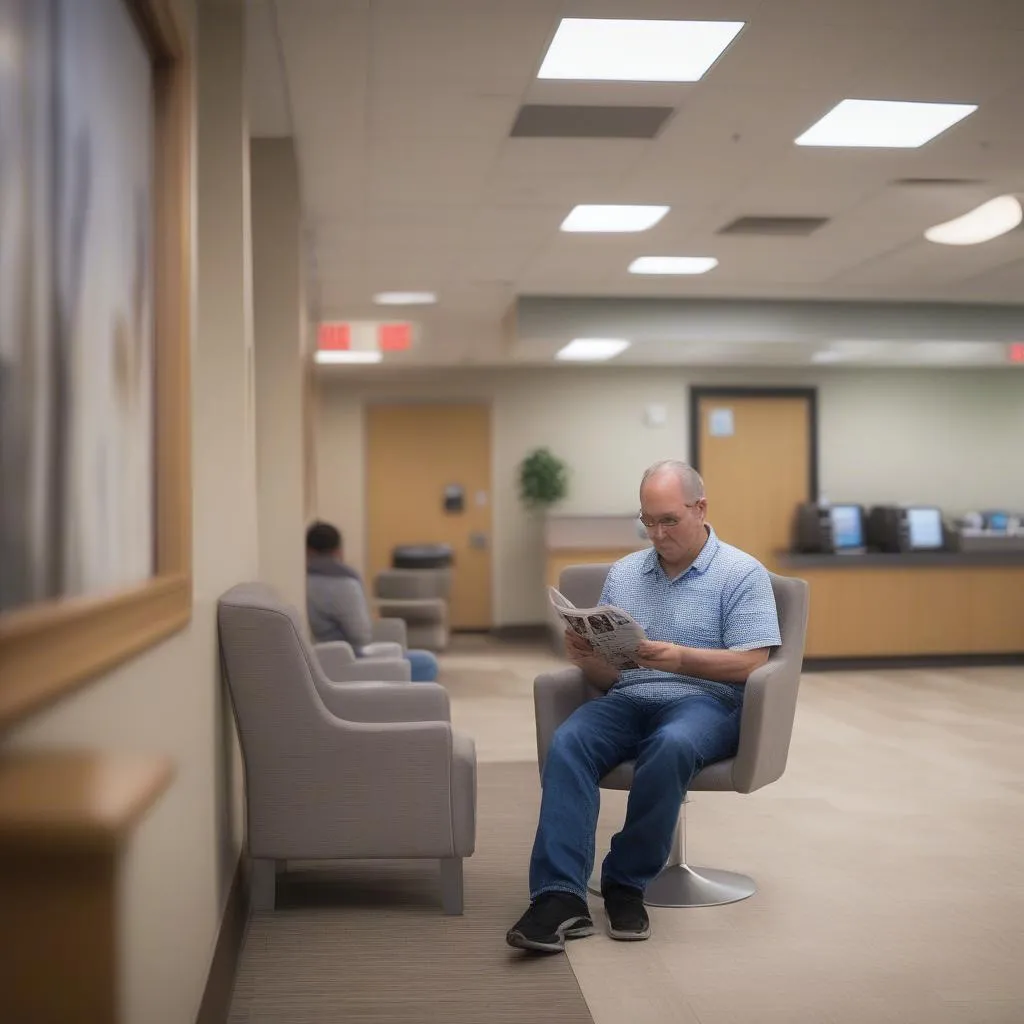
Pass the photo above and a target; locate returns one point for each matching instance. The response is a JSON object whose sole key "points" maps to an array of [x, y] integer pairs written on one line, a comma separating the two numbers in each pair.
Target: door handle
{"points": [[478, 540]]}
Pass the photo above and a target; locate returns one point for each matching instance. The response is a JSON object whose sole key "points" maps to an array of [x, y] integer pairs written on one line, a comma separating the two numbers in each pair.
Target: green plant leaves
{"points": [[543, 478]]}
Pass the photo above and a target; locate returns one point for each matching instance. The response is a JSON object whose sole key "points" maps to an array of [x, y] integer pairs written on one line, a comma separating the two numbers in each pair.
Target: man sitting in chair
{"points": [[336, 603], [709, 614]]}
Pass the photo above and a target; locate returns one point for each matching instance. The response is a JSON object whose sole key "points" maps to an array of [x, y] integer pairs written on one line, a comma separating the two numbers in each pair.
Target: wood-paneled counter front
{"points": [[907, 605]]}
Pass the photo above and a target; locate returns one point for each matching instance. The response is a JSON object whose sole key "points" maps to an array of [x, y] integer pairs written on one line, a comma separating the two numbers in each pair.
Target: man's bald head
{"points": [[688, 478]]}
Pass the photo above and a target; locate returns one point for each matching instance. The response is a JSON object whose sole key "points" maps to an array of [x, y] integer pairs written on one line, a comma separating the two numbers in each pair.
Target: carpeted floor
{"points": [[368, 942]]}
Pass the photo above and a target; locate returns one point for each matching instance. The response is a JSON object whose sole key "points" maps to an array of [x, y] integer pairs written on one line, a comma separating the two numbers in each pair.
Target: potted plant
{"points": [[543, 479]]}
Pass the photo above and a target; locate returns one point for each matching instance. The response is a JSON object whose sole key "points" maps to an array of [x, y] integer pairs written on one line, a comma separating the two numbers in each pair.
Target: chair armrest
{"points": [[382, 649], [556, 695], [391, 630], [766, 725], [388, 702], [339, 663], [377, 670], [464, 790], [333, 656]]}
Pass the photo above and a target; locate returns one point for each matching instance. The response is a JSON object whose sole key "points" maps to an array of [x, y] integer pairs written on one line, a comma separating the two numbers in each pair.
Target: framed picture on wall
{"points": [[95, 496]]}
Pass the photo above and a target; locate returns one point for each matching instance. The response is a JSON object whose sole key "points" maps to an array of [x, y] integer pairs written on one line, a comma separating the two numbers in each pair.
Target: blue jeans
{"points": [[670, 744], [423, 665]]}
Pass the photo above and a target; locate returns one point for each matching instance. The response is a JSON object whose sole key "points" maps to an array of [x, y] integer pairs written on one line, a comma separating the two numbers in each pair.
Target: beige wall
{"points": [[179, 863], [951, 438]]}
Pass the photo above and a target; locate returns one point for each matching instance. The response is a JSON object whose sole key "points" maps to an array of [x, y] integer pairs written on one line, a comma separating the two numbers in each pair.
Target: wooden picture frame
{"points": [[50, 647]]}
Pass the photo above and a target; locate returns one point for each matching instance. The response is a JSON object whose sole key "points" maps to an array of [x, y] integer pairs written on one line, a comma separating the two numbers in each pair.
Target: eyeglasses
{"points": [[665, 522]]}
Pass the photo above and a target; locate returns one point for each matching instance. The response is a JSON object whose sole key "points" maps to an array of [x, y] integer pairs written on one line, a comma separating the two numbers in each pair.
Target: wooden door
{"points": [[415, 454], [756, 453]]}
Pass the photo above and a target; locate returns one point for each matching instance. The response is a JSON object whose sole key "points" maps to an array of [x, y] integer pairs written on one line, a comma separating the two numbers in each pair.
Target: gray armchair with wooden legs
{"points": [[337, 771]]}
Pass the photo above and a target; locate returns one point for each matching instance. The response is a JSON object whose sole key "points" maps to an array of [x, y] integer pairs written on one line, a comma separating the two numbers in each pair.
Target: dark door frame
{"points": [[697, 392]]}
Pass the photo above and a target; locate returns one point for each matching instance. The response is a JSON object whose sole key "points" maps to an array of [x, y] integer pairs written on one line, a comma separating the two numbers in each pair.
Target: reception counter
{"points": [[912, 605], [868, 606]]}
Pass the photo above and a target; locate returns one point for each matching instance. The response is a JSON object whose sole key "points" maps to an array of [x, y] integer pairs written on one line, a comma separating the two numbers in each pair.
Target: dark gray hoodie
{"points": [[336, 604]]}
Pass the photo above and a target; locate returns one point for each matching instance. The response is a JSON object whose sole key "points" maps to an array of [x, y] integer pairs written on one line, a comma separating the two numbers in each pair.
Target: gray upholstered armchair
{"points": [[355, 771], [769, 708], [419, 597]]}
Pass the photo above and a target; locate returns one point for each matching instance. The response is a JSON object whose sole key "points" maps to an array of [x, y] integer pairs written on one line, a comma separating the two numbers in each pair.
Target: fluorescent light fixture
{"points": [[952, 353], [827, 356], [613, 218], [592, 349], [673, 264], [628, 50], [982, 224], [852, 349], [894, 124], [359, 356], [911, 352], [405, 298]]}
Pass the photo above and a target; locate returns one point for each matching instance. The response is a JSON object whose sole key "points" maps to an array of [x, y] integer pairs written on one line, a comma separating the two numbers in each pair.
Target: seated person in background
{"points": [[336, 603], [709, 613]]}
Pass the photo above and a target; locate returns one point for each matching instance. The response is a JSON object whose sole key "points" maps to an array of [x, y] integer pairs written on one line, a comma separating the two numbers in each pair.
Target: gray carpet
{"points": [[368, 942]]}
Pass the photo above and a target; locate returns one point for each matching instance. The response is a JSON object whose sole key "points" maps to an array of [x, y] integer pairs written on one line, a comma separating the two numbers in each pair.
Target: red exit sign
{"points": [[341, 336], [394, 337], [334, 338]]}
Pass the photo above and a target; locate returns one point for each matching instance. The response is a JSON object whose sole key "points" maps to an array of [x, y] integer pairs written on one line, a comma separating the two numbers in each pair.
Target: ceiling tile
{"points": [[447, 41], [404, 109]]}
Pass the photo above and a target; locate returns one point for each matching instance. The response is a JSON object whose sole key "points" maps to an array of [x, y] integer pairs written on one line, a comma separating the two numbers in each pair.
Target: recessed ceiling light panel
{"points": [[613, 218], [673, 264], [893, 124], [352, 356], [592, 349], [628, 50], [405, 298]]}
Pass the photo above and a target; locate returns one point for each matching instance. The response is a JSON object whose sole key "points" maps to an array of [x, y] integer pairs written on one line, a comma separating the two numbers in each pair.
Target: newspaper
{"points": [[613, 633]]}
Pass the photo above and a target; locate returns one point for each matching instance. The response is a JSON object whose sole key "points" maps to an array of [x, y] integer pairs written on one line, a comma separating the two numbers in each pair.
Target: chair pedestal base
{"points": [[680, 885], [684, 886]]}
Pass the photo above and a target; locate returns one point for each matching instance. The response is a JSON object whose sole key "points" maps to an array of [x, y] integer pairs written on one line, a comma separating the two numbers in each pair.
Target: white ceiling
{"points": [[401, 112]]}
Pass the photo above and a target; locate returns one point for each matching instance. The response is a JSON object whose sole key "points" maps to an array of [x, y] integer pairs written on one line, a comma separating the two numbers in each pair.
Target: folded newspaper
{"points": [[613, 633]]}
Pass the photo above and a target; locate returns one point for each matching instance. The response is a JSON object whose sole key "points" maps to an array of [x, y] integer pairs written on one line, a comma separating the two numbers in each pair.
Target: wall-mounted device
{"points": [[906, 528], [454, 499], [830, 529]]}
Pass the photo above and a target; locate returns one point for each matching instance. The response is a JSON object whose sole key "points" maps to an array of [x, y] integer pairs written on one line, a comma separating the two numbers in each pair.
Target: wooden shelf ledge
{"points": [[75, 802]]}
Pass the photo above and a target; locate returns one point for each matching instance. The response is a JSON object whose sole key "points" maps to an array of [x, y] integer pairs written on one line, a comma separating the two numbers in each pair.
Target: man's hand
{"points": [[660, 656], [578, 648], [722, 666], [581, 653]]}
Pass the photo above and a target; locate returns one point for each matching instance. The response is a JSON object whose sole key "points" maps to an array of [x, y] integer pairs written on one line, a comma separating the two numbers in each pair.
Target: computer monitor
{"points": [[847, 527], [924, 529]]}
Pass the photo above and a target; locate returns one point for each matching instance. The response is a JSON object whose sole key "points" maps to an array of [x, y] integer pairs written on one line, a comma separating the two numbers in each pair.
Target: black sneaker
{"points": [[552, 918], [627, 915]]}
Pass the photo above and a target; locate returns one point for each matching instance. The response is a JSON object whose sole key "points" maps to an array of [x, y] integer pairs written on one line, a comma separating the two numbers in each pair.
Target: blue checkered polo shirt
{"points": [[723, 601]]}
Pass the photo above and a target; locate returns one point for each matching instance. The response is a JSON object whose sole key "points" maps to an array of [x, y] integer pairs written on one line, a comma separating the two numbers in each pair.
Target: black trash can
{"points": [[422, 556]]}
